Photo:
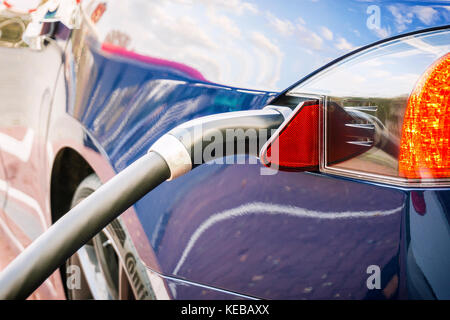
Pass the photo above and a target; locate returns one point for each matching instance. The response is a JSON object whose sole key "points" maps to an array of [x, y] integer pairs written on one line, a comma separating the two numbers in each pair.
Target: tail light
{"points": [[295, 146], [425, 143], [382, 114]]}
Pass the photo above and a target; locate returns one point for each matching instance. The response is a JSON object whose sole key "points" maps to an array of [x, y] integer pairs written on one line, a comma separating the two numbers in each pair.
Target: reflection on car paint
{"points": [[213, 232]]}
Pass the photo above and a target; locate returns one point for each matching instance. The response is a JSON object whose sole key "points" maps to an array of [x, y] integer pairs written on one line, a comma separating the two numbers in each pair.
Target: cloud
{"points": [[283, 27], [306, 37], [270, 58], [236, 6], [401, 20], [263, 42], [326, 33], [344, 45], [185, 31], [425, 14], [309, 38], [404, 15], [355, 31], [210, 67], [382, 32], [300, 20], [224, 23]]}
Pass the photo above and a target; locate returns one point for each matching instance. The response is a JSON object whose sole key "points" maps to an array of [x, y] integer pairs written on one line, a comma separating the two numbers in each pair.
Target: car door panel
{"points": [[270, 237]]}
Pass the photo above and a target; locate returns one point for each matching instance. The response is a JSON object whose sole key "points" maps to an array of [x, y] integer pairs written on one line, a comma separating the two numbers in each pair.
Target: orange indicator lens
{"points": [[425, 142]]}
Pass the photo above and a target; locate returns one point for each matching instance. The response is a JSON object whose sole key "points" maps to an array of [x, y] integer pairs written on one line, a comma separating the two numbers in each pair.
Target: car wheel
{"points": [[102, 275]]}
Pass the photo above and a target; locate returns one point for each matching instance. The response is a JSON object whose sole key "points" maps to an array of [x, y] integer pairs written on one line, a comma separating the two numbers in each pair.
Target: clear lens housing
{"points": [[366, 96]]}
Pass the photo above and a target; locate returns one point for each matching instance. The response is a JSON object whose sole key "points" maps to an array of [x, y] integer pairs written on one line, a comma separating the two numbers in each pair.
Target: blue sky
{"points": [[322, 30]]}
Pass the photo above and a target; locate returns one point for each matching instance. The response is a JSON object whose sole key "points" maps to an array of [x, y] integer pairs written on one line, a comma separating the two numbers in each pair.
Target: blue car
{"points": [[348, 199]]}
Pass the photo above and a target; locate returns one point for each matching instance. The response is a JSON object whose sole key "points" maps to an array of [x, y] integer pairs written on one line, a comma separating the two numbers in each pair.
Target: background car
{"points": [[99, 81]]}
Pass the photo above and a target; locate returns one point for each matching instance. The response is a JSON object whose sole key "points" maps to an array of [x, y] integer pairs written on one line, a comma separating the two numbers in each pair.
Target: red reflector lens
{"points": [[425, 142], [296, 146]]}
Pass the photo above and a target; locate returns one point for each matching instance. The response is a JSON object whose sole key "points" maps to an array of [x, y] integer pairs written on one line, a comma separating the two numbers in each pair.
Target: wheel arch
{"points": [[69, 169], [74, 155]]}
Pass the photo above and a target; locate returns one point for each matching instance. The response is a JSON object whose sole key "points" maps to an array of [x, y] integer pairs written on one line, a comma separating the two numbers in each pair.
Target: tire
{"points": [[100, 264]]}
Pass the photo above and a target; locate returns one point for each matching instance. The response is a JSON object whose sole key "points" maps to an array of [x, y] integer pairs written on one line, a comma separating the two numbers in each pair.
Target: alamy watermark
{"points": [[73, 280], [213, 146], [374, 20], [374, 280]]}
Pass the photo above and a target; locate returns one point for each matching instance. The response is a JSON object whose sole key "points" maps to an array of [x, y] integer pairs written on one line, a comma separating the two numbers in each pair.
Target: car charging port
{"points": [[173, 155]]}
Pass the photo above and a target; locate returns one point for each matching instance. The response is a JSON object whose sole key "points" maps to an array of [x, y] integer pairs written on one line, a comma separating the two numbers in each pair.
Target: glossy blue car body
{"points": [[224, 231]]}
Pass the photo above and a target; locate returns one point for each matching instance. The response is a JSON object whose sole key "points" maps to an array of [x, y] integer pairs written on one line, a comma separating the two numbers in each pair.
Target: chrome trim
{"points": [[361, 108], [285, 111], [94, 277], [174, 153], [361, 143], [224, 116], [199, 285], [361, 126]]}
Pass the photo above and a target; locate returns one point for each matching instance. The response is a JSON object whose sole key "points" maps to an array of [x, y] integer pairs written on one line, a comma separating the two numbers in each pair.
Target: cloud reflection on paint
{"points": [[258, 45]]}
